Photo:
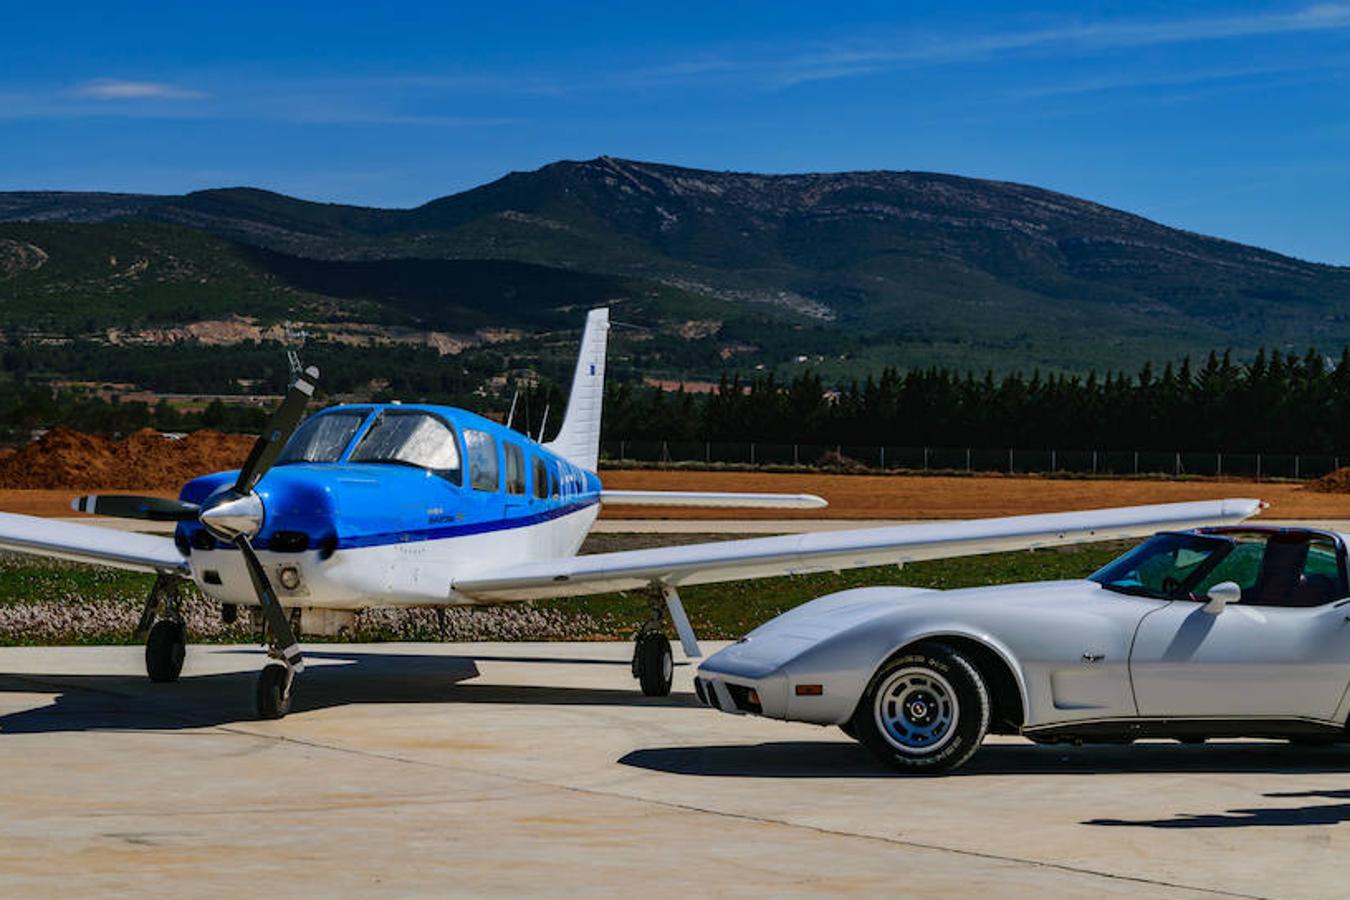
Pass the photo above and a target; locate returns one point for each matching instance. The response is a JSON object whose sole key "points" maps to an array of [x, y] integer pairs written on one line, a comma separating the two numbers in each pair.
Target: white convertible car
{"points": [[1215, 632]]}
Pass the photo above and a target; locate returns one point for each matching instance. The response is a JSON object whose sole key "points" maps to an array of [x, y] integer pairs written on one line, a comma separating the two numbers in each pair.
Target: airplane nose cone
{"points": [[234, 514]]}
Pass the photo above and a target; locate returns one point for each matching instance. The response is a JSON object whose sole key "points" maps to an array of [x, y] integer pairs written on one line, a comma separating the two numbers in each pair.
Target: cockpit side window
{"points": [[540, 479], [323, 438], [484, 474], [554, 483], [412, 439], [515, 468]]}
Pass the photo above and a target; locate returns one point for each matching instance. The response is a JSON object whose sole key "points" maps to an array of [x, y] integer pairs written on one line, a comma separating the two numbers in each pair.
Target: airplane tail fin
{"points": [[578, 440]]}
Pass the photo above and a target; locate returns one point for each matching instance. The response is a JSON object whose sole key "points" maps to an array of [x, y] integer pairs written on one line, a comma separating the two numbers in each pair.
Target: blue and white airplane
{"points": [[414, 505]]}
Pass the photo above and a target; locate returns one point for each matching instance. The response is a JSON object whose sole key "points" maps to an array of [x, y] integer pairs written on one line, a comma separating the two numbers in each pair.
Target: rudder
{"points": [[578, 439]]}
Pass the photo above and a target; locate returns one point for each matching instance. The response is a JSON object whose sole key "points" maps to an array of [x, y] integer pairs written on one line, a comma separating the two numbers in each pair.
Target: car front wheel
{"points": [[925, 711]]}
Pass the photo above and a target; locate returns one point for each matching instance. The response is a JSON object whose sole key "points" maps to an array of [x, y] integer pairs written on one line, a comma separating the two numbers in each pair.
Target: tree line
{"points": [[1276, 403]]}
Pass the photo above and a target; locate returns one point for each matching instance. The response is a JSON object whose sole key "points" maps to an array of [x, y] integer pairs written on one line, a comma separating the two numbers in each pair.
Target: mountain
{"points": [[904, 267]]}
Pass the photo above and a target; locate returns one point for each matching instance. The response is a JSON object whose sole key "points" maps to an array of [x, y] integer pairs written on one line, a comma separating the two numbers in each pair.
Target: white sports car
{"points": [[1216, 632]]}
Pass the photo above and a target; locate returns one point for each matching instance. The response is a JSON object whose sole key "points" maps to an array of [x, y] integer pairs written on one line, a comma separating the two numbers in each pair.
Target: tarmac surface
{"points": [[508, 769]]}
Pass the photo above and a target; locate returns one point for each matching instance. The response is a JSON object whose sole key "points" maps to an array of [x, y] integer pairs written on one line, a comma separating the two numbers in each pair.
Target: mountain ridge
{"points": [[896, 265]]}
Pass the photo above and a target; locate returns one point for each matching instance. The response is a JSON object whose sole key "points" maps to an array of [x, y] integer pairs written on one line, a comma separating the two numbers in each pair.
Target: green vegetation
{"points": [[863, 270], [1278, 403]]}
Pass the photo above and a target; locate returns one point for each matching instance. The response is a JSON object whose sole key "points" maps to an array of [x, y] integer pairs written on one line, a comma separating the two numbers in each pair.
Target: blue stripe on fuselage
{"points": [[452, 531]]}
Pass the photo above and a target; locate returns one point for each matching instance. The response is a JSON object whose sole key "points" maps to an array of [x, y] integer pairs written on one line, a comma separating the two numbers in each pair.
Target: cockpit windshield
{"points": [[411, 438], [322, 438], [1164, 566]]}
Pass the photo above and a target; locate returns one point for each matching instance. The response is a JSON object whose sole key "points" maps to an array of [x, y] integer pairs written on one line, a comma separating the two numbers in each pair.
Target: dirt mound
{"points": [[144, 460], [1337, 482]]}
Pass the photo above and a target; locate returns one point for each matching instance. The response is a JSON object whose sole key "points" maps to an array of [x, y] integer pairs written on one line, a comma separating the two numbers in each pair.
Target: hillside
{"points": [[902, 267]]}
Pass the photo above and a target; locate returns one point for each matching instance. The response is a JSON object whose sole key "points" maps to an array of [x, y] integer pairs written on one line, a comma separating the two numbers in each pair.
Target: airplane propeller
{"points": [[235, 515]]}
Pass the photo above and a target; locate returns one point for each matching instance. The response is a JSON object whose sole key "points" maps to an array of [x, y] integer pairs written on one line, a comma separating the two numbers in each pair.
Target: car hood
{"points": [[783, 638]]}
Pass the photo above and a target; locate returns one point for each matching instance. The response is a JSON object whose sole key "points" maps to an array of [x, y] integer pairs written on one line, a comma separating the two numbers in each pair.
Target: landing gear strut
{"points": [[165, 639], [277, 678], [653, 662]]}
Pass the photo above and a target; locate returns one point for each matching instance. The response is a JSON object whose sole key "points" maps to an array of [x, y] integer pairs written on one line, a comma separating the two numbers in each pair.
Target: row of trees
{"points": [[1277, 403]]}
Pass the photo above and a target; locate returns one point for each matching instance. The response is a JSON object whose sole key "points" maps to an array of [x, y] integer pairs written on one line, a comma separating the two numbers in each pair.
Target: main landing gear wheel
{"points": [[274, 691], [653, 664], [925, 711], [165, 650]]}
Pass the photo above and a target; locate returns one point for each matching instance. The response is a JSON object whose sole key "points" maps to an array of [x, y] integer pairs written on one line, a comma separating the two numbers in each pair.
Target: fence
{"points": [[969, 459]]}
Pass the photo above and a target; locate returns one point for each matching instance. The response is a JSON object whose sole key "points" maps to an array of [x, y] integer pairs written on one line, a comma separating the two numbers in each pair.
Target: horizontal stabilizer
{"points": [[712, 499]]}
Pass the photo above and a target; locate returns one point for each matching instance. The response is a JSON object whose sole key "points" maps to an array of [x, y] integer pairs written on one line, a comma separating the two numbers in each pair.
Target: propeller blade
{"points": [[155, 509], [277, 621], [279, 430]]}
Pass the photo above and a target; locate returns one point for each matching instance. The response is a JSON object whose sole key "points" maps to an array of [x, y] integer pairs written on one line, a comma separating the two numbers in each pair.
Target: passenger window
{"points": [[515, 469], [554, 483], [1292, 570], [540, 479], [482, 451], [1241, 565]]}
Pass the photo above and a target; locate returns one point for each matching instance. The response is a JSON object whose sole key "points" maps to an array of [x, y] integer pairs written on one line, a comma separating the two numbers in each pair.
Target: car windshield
{"points": [[412, 439], [323, 437], [1165, 566]]}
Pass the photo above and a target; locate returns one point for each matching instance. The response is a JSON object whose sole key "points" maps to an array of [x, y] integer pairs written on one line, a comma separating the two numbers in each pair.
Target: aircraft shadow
{"points": [[845, 759], [132, 702]]}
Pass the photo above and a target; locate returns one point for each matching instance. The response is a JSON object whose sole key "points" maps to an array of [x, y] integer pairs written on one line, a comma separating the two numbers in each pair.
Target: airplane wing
{"points": [[712, 499], [90, 544], [798, 554]]}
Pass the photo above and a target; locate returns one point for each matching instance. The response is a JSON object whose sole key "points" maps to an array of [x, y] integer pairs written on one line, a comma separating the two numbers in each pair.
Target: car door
{"points": [[1282, 651]]}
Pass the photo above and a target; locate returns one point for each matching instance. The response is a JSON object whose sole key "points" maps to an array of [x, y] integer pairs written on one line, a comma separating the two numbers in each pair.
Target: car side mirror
{"points": [[1222, 594]]}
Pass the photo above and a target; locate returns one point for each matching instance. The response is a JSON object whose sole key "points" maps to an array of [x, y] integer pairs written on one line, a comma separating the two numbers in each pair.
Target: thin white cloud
{"points": [[849, 59], [118, 89]]}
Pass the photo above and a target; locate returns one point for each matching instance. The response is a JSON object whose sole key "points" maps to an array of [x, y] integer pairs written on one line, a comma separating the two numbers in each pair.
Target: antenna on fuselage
{"points": [[511, 416]]}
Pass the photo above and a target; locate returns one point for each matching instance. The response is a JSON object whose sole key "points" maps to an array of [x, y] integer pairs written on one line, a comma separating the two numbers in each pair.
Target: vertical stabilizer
{"points": [[578, 440]]}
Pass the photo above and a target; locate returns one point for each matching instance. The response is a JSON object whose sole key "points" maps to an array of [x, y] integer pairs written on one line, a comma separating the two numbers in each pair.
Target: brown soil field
{"points": [[40, 478], [938, 497]]}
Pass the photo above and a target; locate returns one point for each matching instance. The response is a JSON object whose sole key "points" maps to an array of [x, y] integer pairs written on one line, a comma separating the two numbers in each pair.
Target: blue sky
{"points": [[1229, 119]]}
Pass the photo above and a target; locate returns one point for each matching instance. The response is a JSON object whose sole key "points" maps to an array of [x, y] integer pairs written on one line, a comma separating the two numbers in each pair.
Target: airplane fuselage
{"points": [[386, 504]]}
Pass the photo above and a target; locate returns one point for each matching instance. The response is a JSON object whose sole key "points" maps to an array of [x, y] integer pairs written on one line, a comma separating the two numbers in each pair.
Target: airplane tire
{"points": [[655, 664], [165, 650], [274, 701]]}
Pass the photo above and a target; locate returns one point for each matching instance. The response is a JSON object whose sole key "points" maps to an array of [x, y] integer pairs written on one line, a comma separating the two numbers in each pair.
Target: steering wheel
{"points": [[1170, 585]]}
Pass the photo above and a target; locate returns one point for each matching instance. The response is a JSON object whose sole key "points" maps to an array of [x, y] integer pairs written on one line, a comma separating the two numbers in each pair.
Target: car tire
{"points": [[925, 711]]}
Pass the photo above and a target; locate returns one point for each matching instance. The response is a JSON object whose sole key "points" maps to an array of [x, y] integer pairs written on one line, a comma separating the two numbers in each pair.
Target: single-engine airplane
{"points": [[416, 505]]}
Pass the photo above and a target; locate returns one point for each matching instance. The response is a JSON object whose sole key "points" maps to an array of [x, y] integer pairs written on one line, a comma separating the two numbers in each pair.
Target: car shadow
{"points": [[132, 702], [843, 758], [1277, 817]]}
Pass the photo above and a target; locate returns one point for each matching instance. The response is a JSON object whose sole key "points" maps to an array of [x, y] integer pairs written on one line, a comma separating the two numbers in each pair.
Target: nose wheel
{"points": [[274, 690]]}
